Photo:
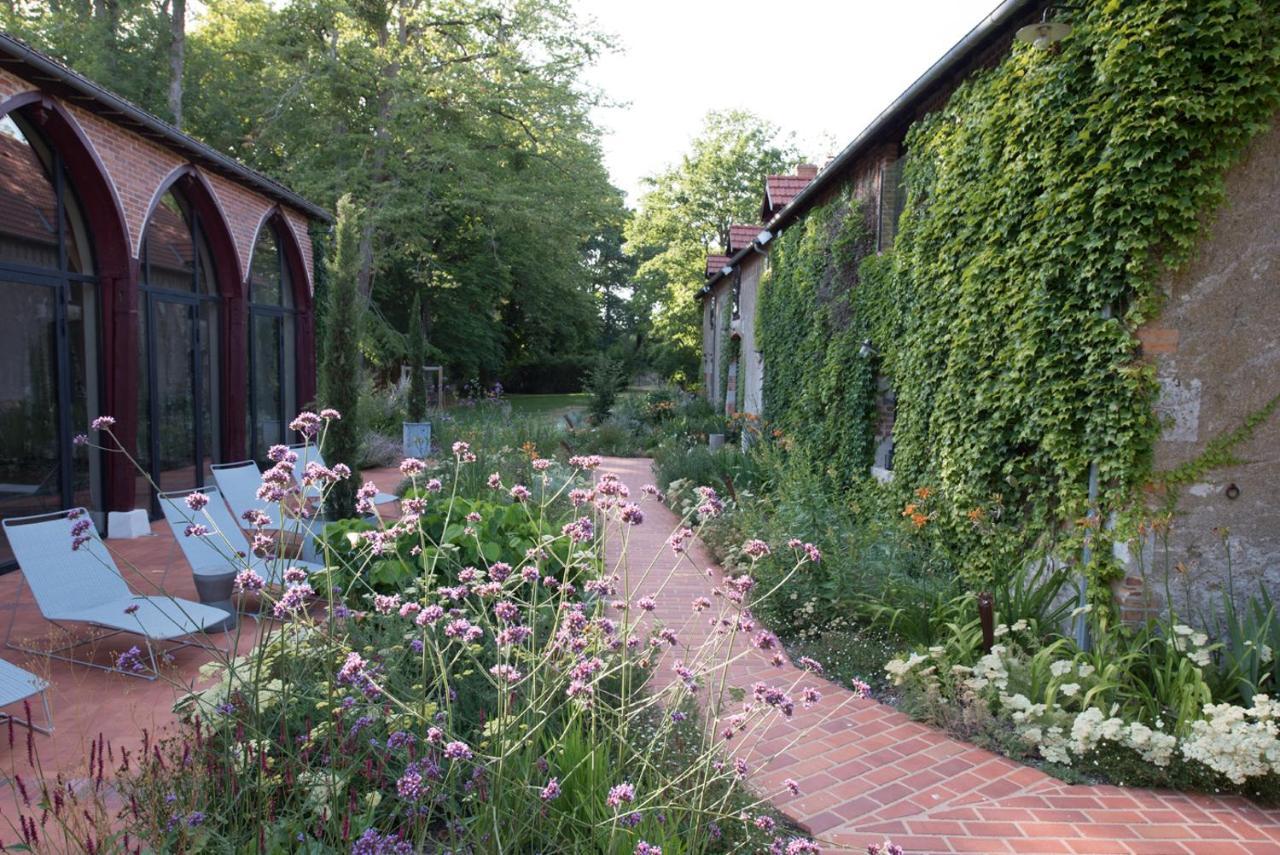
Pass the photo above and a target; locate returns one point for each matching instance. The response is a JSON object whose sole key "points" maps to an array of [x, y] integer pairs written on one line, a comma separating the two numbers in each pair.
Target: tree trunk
{"points": [[177, 58]]}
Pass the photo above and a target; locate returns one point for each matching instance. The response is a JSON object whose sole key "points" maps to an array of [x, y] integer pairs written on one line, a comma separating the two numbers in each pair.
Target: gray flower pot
{"points": [[417, 439]]}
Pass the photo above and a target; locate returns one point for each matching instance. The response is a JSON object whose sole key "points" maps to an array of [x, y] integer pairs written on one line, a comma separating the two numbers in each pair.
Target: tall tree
{"points": [[685, 213], [340, 362], [177, 54], [462, 127]]}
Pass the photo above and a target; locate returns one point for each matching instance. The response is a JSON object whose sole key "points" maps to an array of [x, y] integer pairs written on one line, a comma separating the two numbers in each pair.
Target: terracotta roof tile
{"points": [[741, 236], [715, 262], [781, 189]]}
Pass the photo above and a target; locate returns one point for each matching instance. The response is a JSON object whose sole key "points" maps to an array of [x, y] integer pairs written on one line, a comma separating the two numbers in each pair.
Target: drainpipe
{"points": [[1086, 555]]}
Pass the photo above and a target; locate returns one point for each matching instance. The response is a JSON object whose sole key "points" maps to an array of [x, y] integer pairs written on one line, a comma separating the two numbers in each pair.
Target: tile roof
{"points": [[741, 236], [779, 190], [715, 262]]}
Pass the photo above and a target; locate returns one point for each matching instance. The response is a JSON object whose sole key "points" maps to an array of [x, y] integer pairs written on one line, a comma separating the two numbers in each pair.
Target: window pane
{"points": [[173, 393], [29, 478], [28, 203], [266, 415], [79, 252], [82, 340], [264, 270], [209, 380], [290, 370], [170, 262]]}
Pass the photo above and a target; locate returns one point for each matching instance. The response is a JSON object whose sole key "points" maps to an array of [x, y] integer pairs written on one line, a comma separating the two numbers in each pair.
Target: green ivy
{"points": [[1044, 199], [817, 389]]}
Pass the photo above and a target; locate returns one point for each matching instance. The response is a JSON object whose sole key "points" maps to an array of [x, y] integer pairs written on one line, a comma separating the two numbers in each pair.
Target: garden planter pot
{"points": [[417, 439]]}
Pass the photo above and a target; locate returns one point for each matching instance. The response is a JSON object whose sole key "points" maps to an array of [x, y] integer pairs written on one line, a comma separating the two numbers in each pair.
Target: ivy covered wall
{"points": [[1044, 199], [817, 388]]}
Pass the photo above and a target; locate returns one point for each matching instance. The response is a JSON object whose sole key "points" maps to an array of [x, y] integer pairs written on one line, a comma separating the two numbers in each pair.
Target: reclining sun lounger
{"points": [[74, 579]]}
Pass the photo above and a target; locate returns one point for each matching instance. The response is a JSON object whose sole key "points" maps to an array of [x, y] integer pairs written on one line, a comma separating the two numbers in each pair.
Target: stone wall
{"points": [[1216, 351]]}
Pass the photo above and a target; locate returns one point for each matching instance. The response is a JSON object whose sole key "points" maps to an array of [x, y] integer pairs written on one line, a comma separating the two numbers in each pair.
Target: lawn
{"points": [[553, 407]]}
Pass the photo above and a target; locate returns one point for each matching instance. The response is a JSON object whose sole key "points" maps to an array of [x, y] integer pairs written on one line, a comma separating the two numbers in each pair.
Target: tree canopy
{"points": [[685, 213], [462, 128]]}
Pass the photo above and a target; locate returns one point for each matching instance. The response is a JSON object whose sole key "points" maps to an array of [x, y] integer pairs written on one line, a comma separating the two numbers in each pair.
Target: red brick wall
{"points": [[137, 169]]}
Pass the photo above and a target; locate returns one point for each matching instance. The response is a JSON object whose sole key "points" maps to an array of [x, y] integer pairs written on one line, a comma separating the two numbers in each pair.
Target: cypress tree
{"points": [[340, 367], [417, 403]]}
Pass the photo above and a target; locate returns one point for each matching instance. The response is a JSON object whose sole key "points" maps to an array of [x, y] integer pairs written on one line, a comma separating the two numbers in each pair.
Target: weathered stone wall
{"points": [[750, 361], [1216, 350]]}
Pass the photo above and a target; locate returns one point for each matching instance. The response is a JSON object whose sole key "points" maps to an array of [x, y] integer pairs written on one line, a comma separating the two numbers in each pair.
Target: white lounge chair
{"points": [[84, 586], [239, 483], [16, 685], [309, 452], [225, 549]]}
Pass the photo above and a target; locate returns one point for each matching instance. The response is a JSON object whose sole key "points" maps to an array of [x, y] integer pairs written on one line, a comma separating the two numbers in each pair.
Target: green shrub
{"points": [[604, 382]]}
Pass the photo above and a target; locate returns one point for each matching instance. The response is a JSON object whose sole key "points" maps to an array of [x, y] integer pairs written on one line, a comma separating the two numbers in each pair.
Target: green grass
{"points": [[552, 407]]}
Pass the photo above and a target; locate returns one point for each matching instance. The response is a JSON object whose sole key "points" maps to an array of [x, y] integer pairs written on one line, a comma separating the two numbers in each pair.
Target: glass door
{"points": [[48, 352], [176, 429], [266, 386]]}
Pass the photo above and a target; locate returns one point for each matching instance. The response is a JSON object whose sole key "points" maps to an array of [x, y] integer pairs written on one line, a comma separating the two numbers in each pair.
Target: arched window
{"points": [[272, 344], [49, 345], [178, 424]]}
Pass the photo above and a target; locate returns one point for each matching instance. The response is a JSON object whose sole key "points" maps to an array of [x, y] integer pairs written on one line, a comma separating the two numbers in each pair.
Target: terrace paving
{"points": [[867, 772], [87, 703]]}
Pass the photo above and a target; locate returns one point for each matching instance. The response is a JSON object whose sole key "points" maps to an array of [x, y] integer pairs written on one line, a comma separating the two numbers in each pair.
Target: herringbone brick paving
{"points": [[867, 771]]}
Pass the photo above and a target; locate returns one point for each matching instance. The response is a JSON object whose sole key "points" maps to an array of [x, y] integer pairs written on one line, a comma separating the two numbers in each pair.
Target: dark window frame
{"points": [[283, 312], [194, 299], [60, 279]]}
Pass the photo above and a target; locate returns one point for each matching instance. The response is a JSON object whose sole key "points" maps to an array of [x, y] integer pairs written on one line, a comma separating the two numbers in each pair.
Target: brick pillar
{"points": [[235, 377]]}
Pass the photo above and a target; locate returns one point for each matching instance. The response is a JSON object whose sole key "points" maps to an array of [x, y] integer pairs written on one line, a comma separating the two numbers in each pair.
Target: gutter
{"points": [[116, 109], [999, 21]]}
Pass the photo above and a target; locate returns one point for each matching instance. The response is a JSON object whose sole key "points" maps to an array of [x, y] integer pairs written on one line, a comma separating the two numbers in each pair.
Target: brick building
{"points": [[142, 275], [1213, 347]]}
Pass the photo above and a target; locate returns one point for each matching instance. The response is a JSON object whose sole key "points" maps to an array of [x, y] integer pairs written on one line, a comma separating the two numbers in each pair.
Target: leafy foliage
{"points": [[603, 385], [1043, 200], [340, 367], [817, 387], [685, 213]]}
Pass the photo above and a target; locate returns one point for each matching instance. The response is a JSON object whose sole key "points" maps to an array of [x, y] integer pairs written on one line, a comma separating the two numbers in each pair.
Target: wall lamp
{"points": [[1046, 33], [868, 350]]}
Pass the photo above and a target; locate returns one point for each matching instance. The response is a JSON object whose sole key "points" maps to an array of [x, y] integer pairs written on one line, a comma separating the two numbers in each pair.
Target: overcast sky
{"points": [[820, 68]]}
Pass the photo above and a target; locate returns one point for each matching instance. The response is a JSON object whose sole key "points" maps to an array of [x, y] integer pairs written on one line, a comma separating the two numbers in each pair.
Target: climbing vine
{"points": [[1043, 201], [817, 388]]}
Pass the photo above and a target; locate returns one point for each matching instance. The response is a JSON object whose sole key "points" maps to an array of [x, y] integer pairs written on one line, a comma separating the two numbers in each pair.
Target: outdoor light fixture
{"points": [[726, 270], [1046, 33], [764, 237], [868, 350]]}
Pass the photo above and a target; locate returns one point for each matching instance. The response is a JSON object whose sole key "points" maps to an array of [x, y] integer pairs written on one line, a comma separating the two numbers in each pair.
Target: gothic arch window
{"points": [[179, 346], [49, 329], [273, 362]]}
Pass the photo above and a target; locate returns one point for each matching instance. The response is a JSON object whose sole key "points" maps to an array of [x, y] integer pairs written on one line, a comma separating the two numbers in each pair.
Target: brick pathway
{"points": [[867, 771]]}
